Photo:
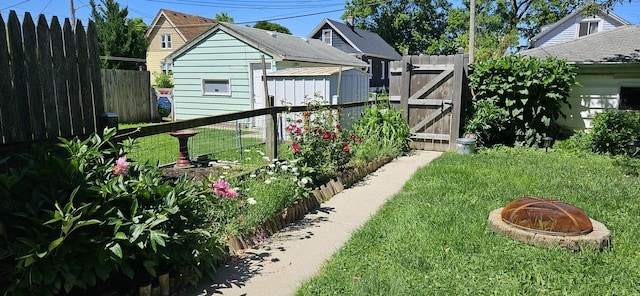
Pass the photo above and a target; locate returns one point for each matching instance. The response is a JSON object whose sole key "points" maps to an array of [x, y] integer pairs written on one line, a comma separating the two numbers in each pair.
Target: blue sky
{"points": [[287, 12]]}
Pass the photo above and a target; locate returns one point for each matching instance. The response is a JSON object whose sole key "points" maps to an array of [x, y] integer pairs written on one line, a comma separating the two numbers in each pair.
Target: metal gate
{"points": [[430, 90]]}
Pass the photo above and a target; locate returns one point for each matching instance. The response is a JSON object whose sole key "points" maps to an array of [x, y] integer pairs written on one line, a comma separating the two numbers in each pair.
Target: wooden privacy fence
{"points": [[128, 94], [431, 91], [50, 80]]}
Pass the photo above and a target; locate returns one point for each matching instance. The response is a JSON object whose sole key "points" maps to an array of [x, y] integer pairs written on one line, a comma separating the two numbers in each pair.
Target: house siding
{"points": [[337, 40], [155, 54], [599, 92], [220, 56], [569, 29]]}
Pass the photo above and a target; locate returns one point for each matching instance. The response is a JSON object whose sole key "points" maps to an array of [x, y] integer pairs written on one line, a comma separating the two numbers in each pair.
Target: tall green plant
{"points": [[384, 133], [527, 95], [72, 219], [613, 129]]}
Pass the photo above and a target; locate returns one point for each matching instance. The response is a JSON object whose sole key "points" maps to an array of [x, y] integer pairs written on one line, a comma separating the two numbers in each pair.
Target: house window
{"points": [[165, 41], [588, 27], [630, 98], [216, 87], [370, 68], [327, 35], [166, 68], [384, 70]]}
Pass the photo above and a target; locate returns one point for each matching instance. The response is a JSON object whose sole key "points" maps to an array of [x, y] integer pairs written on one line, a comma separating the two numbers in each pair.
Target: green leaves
{"points": [[530, 92]]}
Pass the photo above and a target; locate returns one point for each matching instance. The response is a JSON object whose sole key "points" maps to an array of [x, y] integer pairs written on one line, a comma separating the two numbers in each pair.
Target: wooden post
{"points": [[271, 123], [456, 99], [405, 85]]}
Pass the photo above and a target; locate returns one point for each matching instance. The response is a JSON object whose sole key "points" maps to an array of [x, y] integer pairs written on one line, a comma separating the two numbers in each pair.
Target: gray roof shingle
{"points": [[619, 45], [280, 46], [366, 42]]}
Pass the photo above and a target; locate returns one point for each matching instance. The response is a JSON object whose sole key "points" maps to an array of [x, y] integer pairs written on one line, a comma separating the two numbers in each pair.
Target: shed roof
{"points": [[309, 71], [282, 47], [366, 42], [619, 45], [187, 25]]}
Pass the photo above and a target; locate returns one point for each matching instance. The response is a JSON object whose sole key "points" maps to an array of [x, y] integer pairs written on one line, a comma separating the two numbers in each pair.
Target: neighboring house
{"points": [[168, 31], [220, 71], [608, 70], [576, 25], [365, 45]]}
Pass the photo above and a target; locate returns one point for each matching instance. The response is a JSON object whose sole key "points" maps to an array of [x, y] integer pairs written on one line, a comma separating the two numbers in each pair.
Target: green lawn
{"points": [[163, 148], [432, 238]]}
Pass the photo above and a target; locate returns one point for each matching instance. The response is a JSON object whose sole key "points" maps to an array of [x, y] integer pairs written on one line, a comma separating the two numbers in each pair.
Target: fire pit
{"points": [[549, 223], [183, 153]]}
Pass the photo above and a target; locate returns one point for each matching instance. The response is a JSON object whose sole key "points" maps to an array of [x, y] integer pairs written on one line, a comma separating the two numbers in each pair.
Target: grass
{"points": [[432, 237], [163, 148]]}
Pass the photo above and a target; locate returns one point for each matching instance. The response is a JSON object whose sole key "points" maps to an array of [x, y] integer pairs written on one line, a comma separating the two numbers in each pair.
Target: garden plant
{"points": [[517, 99]]}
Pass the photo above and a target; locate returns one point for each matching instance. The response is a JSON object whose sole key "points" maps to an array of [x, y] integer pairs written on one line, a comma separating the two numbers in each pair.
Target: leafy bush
{"points": [[612, 130], [163, 80], [518, 99], [384, 132], [578, 143], [318, 140], [74, 219]]}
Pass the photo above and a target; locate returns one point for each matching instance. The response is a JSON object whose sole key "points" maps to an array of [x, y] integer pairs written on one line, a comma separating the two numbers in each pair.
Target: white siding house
{"points": [[576, 25], [220, 71], [608, 72]]}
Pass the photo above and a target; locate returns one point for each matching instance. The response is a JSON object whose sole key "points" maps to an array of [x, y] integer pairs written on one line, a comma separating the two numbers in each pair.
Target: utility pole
{"points": [[472, 30], [73, 15]]}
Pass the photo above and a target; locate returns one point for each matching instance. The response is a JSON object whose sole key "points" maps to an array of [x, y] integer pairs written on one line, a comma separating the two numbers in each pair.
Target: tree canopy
{"points": [[266, 25], [223, 17], [413, 25], [119, 35]]}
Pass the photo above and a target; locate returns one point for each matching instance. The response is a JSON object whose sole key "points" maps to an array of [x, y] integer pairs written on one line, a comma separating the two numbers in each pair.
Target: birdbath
{"points": [[183, 155]]}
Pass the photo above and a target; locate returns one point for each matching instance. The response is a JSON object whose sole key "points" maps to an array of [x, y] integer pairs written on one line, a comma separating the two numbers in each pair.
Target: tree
{"points": [[265, 25], [224, 17], [501, 25], [405, 24], [119, 35]]}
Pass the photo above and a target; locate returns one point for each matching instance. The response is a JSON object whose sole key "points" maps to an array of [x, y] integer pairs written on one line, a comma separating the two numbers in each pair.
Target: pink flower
{"points": [[221, 188], [121, 167], [326, 135], [338, 126], [346, 149], [298, 131], [291, 128], [352, 137], [230, 193], [296, 147]]}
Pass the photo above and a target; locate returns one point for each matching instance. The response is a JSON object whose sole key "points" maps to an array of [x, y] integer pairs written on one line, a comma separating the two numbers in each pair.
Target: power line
{"points": [[292, 17], [14, 5]]}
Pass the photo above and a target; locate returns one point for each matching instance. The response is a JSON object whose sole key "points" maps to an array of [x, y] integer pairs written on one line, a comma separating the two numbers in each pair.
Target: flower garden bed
{"points": [[324, 192]]}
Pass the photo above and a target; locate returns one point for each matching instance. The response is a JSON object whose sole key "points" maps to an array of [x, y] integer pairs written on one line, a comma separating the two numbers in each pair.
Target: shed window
{"points": [[165, 41], [216, 87], [588, 27], [327, 36], [384, 70], [630, 98]]}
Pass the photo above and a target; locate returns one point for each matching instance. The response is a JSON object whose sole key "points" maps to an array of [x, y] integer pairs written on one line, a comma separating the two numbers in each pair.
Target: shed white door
{"points": [[257, 90]]}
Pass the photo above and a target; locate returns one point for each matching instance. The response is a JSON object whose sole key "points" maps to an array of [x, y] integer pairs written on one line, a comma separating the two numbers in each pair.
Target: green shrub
{"points": [[579, 142], [163, 80], [383, 131], [612, 130], [74, 219], [518, 99]]}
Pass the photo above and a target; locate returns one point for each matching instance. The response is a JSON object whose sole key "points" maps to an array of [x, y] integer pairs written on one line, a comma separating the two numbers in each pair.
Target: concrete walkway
{"points": [[280, 264]]}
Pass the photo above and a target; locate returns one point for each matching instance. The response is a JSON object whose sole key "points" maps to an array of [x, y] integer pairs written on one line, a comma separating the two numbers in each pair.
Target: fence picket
{"points": [[59, 81], [33, 81], [71, 60], [19, 71], [85, 82], [94, 71], [46, 79], [7, 102]]}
